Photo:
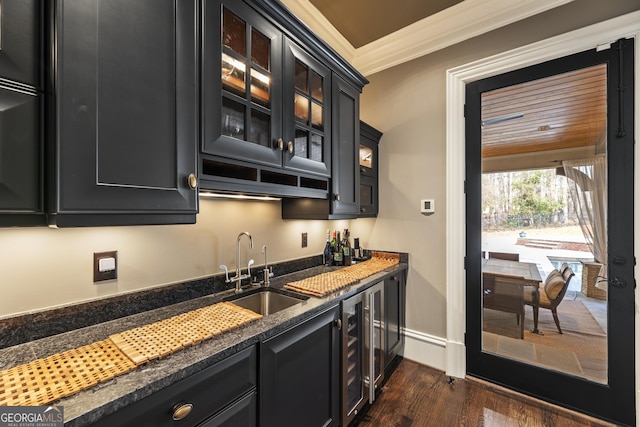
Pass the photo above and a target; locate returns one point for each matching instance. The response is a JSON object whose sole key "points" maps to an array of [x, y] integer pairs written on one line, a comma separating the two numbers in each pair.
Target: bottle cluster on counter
{"points": [[338, 249]]}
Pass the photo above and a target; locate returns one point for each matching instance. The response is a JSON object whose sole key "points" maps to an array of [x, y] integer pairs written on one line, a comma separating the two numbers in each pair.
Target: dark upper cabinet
{"points": [[307, 112], [20, 153], [21, 188], [346, 131], [368, 160], [20, 23], [241, 84], [299, 374], [343, 200], [125, 121], [266, 101]]}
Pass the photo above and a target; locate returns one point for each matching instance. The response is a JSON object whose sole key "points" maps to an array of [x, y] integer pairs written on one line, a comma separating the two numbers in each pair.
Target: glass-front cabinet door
{"points": [[265, 100], [307, 112], [242, 74]]}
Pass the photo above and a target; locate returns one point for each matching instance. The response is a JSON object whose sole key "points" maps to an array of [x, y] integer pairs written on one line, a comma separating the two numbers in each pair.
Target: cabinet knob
{"points": [[280, 144], [181, 410], [290, 147], [192, 181], [363, 210], [337, 196], [339, 324]]}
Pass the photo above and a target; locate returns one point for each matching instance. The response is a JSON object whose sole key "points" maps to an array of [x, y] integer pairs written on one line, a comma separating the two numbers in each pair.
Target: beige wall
{"points": [[407, 103], [45, 267]]}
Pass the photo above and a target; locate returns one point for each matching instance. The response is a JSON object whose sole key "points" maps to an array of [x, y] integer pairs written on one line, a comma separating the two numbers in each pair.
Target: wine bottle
{"points": [[347, 255], [337, 250], [327, 255]]}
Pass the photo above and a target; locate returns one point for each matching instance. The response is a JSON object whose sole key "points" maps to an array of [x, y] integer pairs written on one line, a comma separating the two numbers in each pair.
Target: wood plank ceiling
{"points": [[540, 123]]}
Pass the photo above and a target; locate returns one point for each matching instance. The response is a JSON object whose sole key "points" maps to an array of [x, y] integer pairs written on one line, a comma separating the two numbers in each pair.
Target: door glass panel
{"points": [[544, 228], [317, 116], [366, 156], [260, 84], [317, 86], [260, 49], [301, 108], [301, 77], [234, 33], [233, 117], [302, 138], [233, 75], [259, 132], [246, 73], [354, 356], [315, 149]]}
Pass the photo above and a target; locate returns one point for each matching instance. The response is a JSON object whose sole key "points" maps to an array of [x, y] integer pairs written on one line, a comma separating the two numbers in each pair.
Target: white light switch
{"points": [[106, 264]]}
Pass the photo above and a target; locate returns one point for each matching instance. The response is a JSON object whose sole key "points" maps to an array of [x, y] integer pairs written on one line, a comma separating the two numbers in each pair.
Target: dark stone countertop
{"points": [[89, 405]]}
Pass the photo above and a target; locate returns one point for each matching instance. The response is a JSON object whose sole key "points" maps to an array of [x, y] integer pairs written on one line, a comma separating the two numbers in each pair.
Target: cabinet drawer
{"points": [[208, 391], [242, 413]]}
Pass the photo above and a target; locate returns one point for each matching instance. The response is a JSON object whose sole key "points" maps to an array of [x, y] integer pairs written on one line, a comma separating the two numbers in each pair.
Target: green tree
{"points": [[530, 197]]}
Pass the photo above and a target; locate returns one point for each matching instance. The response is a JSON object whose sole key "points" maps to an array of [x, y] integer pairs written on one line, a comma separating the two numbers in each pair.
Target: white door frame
{"points": [[626, 26]]}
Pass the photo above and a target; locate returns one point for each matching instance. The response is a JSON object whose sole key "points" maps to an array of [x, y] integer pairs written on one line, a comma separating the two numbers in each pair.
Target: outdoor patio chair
{"points": [[549, 295]]}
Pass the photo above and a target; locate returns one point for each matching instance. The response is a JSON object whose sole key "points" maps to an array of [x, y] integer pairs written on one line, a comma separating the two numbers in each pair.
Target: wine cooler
{"points": [[362, 349]]}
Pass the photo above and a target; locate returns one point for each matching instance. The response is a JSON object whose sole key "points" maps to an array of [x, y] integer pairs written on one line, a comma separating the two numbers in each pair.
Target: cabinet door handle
{"points": [[339, 324], [280, 144], [192, 181], [181, 410], [290, 147]]}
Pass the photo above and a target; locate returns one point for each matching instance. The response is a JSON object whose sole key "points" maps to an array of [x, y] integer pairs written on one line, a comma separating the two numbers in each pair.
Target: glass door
{"points": [[242, 77], [353, 330], [550, 231], [374, 343]]}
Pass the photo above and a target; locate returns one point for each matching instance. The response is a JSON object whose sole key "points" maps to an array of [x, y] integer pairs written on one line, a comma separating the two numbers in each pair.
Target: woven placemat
{"points": [[325, 283], [170, 335], [46, 380]]}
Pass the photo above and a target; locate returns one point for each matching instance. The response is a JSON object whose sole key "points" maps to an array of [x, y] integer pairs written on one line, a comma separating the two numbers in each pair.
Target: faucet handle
{"points": [[249, 264], [226, 271]]}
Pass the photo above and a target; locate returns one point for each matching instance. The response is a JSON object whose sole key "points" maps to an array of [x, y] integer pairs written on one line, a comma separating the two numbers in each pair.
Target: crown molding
{"points": [[460, 22], [316, 21]]}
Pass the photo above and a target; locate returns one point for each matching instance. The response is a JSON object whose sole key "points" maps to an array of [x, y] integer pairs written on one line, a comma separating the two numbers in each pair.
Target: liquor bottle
{"points": [[347, 254], [337, 250], [327, 255]]}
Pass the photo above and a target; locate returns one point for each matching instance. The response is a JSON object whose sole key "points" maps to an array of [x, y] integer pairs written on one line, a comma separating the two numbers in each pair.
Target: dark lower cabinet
{"points": [[395, 291], [125, 118], [299, 374], [222, 394]]}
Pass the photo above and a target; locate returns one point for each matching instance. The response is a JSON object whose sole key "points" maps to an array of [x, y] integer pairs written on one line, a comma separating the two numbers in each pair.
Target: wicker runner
{"points": [[46, 380], [324, 284]]}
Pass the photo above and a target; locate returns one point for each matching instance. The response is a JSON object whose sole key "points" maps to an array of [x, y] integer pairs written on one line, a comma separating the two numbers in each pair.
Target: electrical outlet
{"points": [[105, 266], [304, 240]]}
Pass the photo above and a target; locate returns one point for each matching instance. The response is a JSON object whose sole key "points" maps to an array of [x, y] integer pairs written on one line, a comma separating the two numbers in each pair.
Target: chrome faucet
{"points": [[267, 272], [239, 277]]}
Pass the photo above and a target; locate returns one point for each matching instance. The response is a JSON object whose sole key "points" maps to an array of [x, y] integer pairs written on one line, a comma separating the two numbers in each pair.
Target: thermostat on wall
{"points": [[427, 206]]}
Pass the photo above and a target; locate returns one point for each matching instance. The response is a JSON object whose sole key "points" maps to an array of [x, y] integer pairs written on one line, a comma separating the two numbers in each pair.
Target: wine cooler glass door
{"points": [[353, 384]]}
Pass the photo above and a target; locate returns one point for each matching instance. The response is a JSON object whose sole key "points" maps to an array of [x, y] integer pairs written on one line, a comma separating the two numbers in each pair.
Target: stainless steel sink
{"points": [[266, 302]]}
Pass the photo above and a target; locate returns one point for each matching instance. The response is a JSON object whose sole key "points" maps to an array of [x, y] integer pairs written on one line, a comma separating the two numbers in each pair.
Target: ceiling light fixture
{"points": [[502, 119]]}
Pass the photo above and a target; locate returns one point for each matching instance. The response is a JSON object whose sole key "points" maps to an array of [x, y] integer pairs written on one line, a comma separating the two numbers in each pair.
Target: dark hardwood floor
{"points": [[416, 395]]}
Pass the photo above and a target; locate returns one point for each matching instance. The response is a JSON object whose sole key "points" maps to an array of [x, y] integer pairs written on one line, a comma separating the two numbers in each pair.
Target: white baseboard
{"points": [[425, 349]]}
